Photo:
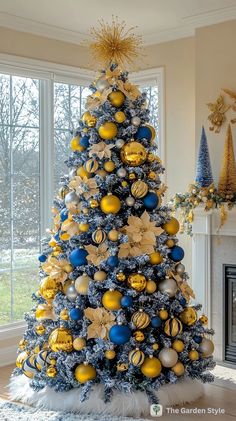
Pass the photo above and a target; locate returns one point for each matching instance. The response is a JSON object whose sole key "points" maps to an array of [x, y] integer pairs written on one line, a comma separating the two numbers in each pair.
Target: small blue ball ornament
{"points": [[78, 257], [76, 314], [57, 236], [155, 321], [42, 258], [64, 214], [119, 334], [126, 301], [150, 201], [183, 301], [176, 254], [197, 339], [112, 261], [143, 133], [84, 141]]}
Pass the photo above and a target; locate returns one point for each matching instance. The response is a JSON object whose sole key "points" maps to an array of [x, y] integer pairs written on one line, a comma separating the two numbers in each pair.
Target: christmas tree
{"points": [[112, 321], [204, 173], [227, 181]]}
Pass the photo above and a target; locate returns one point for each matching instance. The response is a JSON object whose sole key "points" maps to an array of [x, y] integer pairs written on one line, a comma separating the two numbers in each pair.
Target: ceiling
{"points": [[157, 20]]}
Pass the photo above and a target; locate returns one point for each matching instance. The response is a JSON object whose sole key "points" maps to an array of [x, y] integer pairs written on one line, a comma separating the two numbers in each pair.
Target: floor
{"points": [[216, 396]]}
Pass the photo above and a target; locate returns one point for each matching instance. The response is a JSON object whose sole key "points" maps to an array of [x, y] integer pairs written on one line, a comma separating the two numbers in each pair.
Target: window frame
{"points": [[49, 73]]}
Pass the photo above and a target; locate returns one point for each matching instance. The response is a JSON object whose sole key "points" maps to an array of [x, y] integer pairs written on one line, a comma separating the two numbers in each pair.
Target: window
{"points": [[39, 109]]}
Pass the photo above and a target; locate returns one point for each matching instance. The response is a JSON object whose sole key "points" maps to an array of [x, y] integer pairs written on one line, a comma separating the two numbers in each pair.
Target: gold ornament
{"points": [[93, 203], [113, 235], [137, 281], [139, 189], [193, 355], [83, 227], [132, 176], [110, 204], [61, 340], [85, 372], [110, 354], [109, 166], [155, 258], [188, 316], [99, 236], [82, 173], [51, 371], [178, 345], [40, 329], [217, 116], [150, 157], [111, 300], [203, 319], [91, 165], [116, 98], [136, 357], [155, 346], [139, 336], [49, 288], [107, 131], [178, 369], [89, 119], [124, 183], [120, 277], [151, 367], [75, 144], [140, 319], [44, 312], [171, 227], [29, 367], [100, 276], [53, 361], [22, 344], [64, 315], [122, 367], [150, 287], [163, 314], [82, 284], [152, 175], [133, 154], [170, 243], [79, 343], [63, 191], [120, 116], [173, 327], [21, 359]]}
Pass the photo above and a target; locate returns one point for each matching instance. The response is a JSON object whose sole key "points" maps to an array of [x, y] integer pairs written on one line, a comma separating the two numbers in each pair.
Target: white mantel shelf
{"points": [[208, 222]]}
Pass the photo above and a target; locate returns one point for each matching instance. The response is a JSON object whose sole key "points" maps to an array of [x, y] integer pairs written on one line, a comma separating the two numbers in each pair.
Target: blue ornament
{"points": [[176, 254], [112, 261], [143, 133], [126, 301], [156, 321], [150, 201], [84, 141], [76, 314], [197, 339], [64, 214], [119, 334], [183, 301], [57, 237], [42, 258], [78, 257]]}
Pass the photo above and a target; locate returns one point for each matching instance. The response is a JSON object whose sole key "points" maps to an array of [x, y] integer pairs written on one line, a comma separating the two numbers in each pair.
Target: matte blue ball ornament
{"points": [[57, 236], [112, 261], [197, 339], [143, 133], [126, 301], [183, 301], [78, 257], [64, 214], [42, 258], [150, 201], [84, 141], [156, 321], [119, 334], [76, 314], [176, 254]]}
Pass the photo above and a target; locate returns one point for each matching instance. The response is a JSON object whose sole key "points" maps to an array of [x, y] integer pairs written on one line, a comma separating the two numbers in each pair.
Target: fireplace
{"points": [[229, 294]]}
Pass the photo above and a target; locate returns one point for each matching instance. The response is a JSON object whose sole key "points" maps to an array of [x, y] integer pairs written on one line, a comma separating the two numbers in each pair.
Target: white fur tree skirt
{"points": [[123, 404]]}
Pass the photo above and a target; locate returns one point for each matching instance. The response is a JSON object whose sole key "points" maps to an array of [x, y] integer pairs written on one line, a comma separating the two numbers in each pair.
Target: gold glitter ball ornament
{"points": [[99, 236], [120, 277], [49, 288], [139, 189], [89, 119], [120, 116], [188, 316], [61, 340], [64, 315], [133, 154], [137, 281]]}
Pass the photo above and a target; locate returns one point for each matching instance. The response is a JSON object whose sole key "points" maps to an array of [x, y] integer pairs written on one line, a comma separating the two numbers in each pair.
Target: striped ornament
{"points": [[136, 357], [140, 319], [42, 359], [139, 189], [29, 367], [99, 236], [91, 165], [173, 327]]}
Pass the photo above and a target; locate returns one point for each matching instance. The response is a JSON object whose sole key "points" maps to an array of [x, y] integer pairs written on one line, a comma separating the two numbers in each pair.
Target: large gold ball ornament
{"points": [[140, 319], [193, 355], [49, 288], [116, 98], [136, 357], [82, 284], [79, 343], [139, 336], [75, 144], [163, 314], [188, 316], [137, 281], [110, 204], [21, 359], [120, 116], [61, 340], [178, 345], [111, 300], [64, 315], [133, 154], [171, 227], [110, 354], [150, 287], [178, 369], [99, 236], [93, 203], [108, 130], [139, 189], [151, 367], [173, 327], [85, 372], [89, 119], [206, 347], [91, 165], [81, 172], [155, 258], [121, 277], [51, 371], [100, 276], [203, 319], [113, 235], [109, 166], [40, 329]]}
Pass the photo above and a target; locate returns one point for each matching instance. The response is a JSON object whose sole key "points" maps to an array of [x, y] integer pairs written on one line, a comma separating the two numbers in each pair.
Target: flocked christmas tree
{"points": [[203, 172], [113, 306]]}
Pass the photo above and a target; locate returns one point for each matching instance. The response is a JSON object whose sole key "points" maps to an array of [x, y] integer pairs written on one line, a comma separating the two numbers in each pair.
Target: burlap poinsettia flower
{"points": [[96, 255], [130, 90], [102, 320], [70, 227], [57, 269], [101, 149], [97, 99], [87, 187], [112, 75], [131, 249]]}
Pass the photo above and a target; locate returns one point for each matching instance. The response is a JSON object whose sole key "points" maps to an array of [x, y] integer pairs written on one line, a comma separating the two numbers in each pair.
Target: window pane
{"points": [[61, 153], [61, 106], [153, 106], [25, 283], [5, 295], [25, 101]]}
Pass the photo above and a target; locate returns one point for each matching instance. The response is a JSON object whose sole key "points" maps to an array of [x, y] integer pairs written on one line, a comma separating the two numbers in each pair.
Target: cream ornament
{"points": [[82, 284]]}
